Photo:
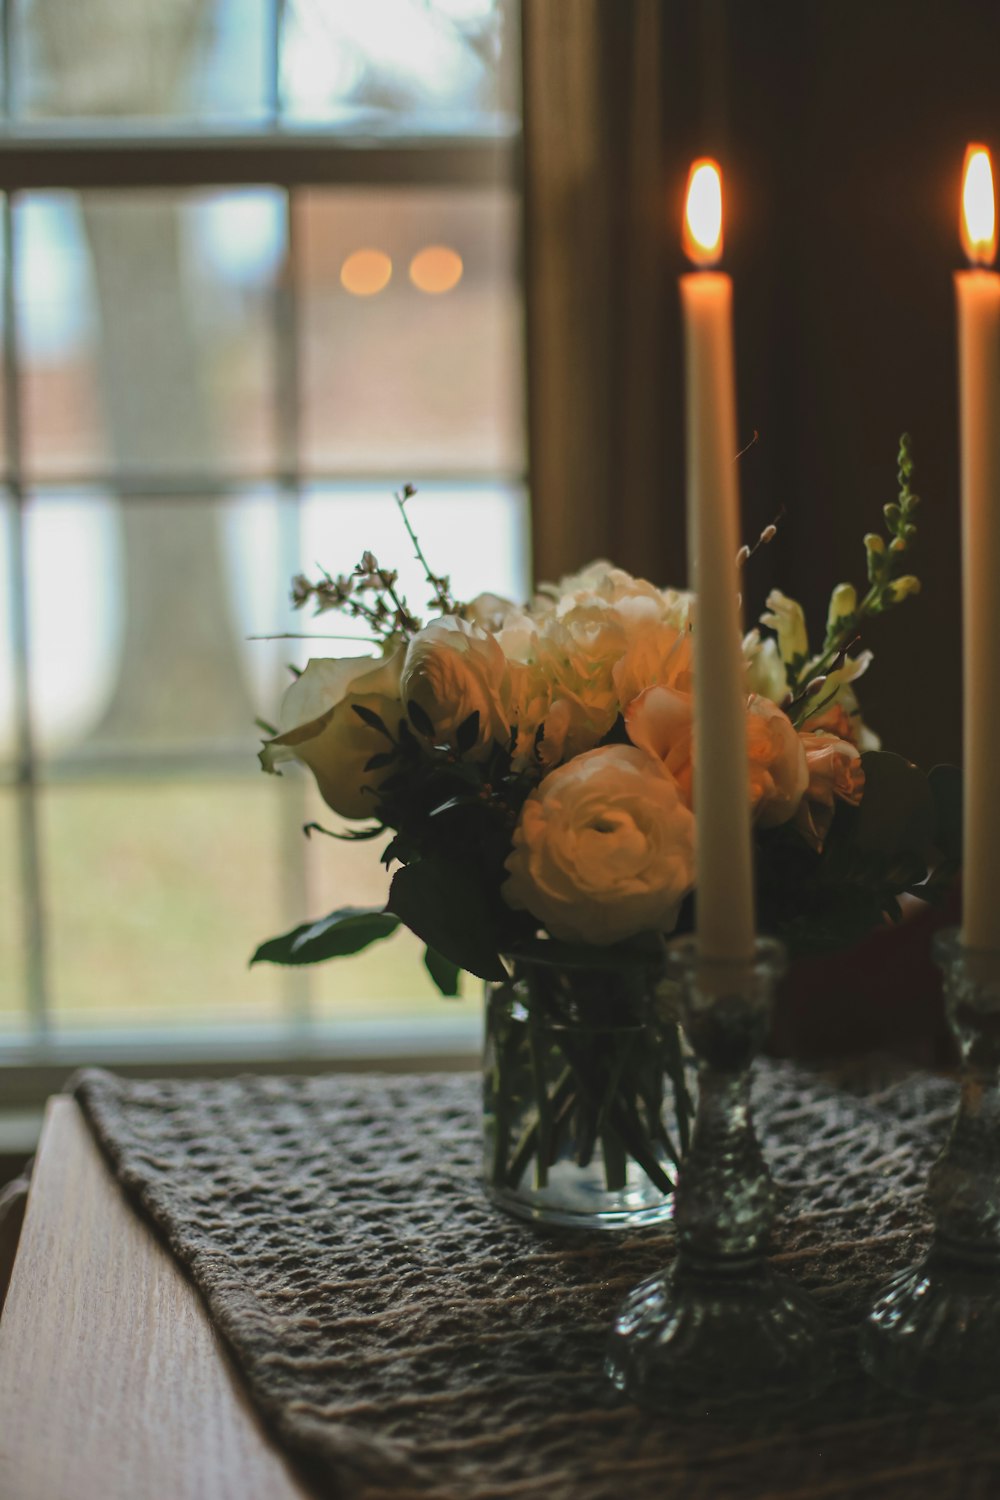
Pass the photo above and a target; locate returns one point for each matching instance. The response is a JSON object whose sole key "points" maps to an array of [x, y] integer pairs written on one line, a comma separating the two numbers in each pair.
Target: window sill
{"points": [[32, 1070]]}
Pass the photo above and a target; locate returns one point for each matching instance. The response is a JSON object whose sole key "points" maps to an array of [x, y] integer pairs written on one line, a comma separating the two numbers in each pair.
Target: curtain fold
{"points": [[604, 404]]}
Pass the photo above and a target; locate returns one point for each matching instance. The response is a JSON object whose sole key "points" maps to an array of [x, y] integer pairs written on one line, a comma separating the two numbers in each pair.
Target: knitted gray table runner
{"points": [[401, 1337]]}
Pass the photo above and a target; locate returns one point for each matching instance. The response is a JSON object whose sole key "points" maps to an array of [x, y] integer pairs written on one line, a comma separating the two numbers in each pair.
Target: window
{"points": [[260, 267]]}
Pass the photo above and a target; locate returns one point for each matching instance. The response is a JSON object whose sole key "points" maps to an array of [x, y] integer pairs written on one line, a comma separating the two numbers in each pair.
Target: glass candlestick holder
{"points": [[934, 1329], [721, 1325]]}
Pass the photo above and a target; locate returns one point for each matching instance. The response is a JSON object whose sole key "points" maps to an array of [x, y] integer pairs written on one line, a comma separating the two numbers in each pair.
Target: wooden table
{"points": [[113, 1385]]}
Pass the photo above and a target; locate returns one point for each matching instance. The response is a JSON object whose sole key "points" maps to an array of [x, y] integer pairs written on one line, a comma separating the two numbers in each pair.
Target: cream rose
{"points": [[660, 656], [325, 734], [578, 652], [604, 848], [835, 771], [661, 722], [454, 669]]}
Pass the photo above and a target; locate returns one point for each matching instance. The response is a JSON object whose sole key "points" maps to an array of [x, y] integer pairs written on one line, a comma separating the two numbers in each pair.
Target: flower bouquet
{"points": [[529, 770]]}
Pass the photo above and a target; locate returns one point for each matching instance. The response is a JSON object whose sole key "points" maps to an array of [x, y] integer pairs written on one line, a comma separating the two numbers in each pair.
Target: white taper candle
{"points": [[724, 892]]}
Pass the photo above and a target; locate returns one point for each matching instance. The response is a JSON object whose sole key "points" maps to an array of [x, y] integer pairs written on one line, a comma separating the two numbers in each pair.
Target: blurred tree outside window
{"points": [[201, 406]]}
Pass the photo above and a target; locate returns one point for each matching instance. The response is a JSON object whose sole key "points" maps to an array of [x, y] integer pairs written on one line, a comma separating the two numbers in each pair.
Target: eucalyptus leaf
{"points": [[347, 930]]}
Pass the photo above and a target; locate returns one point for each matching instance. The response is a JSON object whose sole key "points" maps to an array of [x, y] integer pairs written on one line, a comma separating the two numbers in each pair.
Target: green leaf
{"points": [[467, 732], [444, 973], [896, 815], [444, 903], [349, 836], [347, 930], [946, 789]]}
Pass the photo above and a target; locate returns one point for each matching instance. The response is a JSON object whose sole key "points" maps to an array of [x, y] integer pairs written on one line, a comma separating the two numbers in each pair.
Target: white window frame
{"points": [[76, 158]]}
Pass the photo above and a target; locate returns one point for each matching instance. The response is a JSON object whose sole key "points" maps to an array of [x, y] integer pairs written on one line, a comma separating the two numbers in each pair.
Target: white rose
{"points": [[578, 653], [604, 848], [637, 602], [490, 611], [321, 729], [454, 669]]}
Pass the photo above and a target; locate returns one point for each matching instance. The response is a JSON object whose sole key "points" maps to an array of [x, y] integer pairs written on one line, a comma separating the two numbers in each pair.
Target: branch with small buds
{"points": [[441, 600], [767, 535], [370, 592]]}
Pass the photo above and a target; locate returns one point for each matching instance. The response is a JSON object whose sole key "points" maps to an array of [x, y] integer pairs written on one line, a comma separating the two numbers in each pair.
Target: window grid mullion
{"points": [[29, 840], [298, 982]]}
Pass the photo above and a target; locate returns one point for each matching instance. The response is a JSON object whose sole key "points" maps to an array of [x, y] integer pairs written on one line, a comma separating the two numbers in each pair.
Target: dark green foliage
{"points": [[444, 973], [447, 907], [347, 930]]}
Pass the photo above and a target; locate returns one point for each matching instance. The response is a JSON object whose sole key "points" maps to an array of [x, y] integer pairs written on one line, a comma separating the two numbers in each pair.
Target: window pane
{"points": [[115, 59], [13, 1004], [146, 331], [398, 65], [411, 330], [157, 894], [388, 980], [477, 535], [139, 613]]}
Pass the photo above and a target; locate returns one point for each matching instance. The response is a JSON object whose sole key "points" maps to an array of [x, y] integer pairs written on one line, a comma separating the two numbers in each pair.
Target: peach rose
{"points": [[835, 770], [604, 848], [661, 721]]}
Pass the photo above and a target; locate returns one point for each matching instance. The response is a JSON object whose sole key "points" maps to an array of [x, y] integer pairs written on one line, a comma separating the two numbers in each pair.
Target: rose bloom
{"points": [[324, 733], [604, 848], [454, 669], [835, 770], [659, 655], [661, 721]]}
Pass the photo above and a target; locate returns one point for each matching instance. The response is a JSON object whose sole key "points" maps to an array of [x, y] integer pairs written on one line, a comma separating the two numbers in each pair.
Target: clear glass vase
{"points": [[585, 1107]]}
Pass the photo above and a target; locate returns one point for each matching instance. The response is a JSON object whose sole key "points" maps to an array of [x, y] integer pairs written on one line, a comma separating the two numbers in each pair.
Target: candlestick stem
{"points": [[721, 1324]]}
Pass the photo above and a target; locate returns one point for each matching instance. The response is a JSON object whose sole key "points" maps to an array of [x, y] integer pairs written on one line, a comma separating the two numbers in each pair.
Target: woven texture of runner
{"points": [[402, 1337]]}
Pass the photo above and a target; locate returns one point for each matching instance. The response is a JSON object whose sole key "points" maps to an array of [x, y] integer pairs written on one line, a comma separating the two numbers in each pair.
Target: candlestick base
{"points": [[706, 1336], [934, 1330]]}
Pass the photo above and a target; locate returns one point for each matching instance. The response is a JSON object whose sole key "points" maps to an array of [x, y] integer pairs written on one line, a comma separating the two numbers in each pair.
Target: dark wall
{"points": [[842, 128]]}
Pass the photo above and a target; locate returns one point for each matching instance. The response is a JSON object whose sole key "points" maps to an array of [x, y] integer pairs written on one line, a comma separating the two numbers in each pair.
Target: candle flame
{"points": [[703, 213], [979, 212]]}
